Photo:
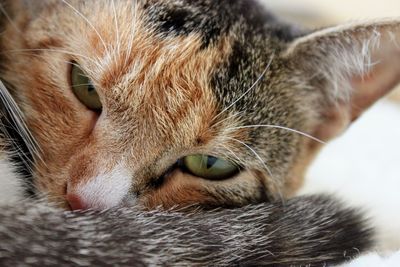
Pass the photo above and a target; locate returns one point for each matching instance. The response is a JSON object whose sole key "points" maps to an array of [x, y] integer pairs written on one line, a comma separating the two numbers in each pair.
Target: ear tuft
{"points": [[354, 65], [344, 53]]}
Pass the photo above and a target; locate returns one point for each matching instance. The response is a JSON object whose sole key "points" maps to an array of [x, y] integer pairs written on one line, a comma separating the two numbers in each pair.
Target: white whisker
{"points": [[232, 116], [51, 50], [273, 179], [44, 57], [19, 125], [2, 10], [118, 40], [16, 122], [248, 90], [255, 153], [279, 127], [239, 160], [132, 34], [88, 22]]}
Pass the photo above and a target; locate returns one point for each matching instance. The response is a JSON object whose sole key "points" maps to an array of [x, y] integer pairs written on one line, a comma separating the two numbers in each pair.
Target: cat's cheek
{"points": [[179, 189], [182, 189]]}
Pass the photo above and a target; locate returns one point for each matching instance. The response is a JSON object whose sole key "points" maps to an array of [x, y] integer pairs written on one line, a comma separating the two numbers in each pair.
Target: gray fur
{"points": [[303, 231]]}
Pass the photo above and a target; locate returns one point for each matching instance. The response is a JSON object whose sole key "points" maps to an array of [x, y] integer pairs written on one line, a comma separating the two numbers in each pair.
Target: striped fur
{"points": [[308, 231], [223, 78]]}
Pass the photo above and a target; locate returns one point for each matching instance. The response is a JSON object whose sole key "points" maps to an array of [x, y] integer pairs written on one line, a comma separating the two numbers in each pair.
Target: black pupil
{"points": [[91, 87], [211, 161]]}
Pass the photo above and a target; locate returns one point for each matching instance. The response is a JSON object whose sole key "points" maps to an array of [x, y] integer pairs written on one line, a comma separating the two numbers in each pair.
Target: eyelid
{"points": [[209, 167]]}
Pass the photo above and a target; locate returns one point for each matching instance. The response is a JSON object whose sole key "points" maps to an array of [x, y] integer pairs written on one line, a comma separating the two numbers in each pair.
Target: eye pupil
{"points": [[84, 89], [209, 167], [211, 161]]}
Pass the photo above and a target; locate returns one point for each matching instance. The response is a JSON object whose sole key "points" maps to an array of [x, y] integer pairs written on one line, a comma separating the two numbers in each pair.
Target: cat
{"points": [[269, 234], [230, 85], [175, 103]]}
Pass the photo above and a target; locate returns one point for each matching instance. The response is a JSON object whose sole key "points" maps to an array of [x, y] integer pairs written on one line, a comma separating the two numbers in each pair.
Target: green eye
{"points": [[209, 167], [84, 89]]}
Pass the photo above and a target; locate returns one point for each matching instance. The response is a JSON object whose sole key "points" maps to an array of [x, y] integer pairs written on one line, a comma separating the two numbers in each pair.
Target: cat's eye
{"points": [[209, 167], [84, 89]]}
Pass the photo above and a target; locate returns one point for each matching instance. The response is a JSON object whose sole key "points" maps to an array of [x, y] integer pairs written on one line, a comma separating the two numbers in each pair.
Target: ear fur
{"points": [[354, 65]]}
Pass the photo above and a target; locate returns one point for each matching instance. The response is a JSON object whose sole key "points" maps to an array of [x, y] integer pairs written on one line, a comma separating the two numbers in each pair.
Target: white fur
{"points": [[106, 190], [10, 185], [363, 168]]}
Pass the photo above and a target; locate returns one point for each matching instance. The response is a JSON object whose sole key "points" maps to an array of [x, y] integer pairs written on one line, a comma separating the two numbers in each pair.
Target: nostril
{"points": [[75, 202]]}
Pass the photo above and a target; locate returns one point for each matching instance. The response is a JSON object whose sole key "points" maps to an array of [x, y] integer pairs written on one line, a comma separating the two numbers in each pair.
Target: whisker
{"points": [[232, 116], [50, 50], [116, 28], [17, 119], [279, 127], [273, 179], [88, 22], [2, 10], [133, 33], [259, 79], [17, 123], [16, 151], [81, 84], [255, 153], [64, 61], [239, 160], [44, 57]]}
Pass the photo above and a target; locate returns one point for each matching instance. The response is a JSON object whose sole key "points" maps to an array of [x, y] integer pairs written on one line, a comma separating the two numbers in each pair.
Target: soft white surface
{"points": [[374, 260], [362, 167], [10, 186]]}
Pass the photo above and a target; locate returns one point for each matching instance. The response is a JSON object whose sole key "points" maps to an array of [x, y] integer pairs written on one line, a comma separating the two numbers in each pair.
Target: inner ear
{"points": [[379, 80], [352, 65]]}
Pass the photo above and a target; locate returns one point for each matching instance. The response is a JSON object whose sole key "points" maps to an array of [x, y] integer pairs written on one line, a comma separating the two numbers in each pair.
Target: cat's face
{"points": [[194, 103]]}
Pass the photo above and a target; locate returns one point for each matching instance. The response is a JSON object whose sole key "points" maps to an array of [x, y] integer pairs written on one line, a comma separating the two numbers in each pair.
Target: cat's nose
{"points": [[76, 203]]}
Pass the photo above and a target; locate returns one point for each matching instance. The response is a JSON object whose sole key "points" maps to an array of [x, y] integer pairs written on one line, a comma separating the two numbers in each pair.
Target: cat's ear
{"points": [[352, 65]]}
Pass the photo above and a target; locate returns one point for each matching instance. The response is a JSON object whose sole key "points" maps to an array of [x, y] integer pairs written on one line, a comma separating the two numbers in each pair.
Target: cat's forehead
{"points": [[175, 63], [227, 39], [210, 19]]}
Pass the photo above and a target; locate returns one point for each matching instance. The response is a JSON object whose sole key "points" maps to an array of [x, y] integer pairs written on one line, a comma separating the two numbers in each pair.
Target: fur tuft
{"points": [[302, 231]]}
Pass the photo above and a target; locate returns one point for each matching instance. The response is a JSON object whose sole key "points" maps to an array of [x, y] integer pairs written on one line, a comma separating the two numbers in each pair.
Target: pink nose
{"points": [[76, 203]]}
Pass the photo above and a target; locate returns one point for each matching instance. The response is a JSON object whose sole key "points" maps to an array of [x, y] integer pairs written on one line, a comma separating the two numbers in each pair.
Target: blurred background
{"points": [[362, 167], [336, 10], [321, 13]]}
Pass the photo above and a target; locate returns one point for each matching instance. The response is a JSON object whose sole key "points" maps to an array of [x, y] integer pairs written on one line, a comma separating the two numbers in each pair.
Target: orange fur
{"points": [[170, 92], [163, 91]]}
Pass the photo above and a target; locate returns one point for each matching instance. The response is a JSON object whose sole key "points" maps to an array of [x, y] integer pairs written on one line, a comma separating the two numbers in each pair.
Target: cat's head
{"points": [[182, 102]]}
